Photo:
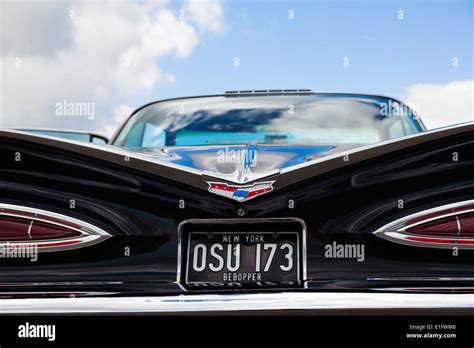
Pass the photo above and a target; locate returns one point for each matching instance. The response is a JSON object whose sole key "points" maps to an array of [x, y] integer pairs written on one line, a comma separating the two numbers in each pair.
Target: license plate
{"points": [[242, 259]]}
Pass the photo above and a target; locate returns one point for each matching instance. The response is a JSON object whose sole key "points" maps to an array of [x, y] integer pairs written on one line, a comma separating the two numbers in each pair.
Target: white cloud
{"points": [[207, 14], [28, 26], [442, 105], [110, 57]]}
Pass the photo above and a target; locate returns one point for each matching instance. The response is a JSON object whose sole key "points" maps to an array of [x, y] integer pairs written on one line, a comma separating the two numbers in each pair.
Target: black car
{"points": [[245, 201]]}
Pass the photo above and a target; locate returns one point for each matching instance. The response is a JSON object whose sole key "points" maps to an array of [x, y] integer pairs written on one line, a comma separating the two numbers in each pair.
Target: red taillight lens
{"points": [[13, 229], [17, 229], [441, 227], [467, 225], [22, 226], [461, 225], [42, 231]]}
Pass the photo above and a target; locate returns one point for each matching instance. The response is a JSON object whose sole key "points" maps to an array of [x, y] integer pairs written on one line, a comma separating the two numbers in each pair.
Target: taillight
{"points": [[50, 231], [446, 226], [467, 225], [42, 231], [13, 228]]}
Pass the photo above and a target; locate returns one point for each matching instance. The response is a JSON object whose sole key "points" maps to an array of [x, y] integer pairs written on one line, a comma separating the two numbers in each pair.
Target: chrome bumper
{"points": [[234, 303]]}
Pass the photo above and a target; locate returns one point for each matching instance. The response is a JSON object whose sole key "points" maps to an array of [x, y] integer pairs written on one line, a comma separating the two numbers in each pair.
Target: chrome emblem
{"points": [[240, 192]]}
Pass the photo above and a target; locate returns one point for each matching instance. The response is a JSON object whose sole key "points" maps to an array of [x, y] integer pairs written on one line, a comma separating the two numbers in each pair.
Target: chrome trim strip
{"points": [[90, 234], [269, 92], [62, 130], [395, 231], [30, 227], [240, 302], [458, 223], [427, 289], [404, 238], [423, 279], [52, 294]]}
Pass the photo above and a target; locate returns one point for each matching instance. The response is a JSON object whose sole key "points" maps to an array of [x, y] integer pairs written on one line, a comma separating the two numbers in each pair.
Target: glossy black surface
{"points": [[143, 212]]}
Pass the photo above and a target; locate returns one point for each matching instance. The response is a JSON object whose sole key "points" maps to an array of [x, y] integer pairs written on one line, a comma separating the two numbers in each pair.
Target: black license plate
{"points": [[242, 259]]}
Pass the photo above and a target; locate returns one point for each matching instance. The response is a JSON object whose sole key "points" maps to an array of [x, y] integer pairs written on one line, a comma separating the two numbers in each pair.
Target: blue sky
{"points": [[385, 54], [118, 55]]}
